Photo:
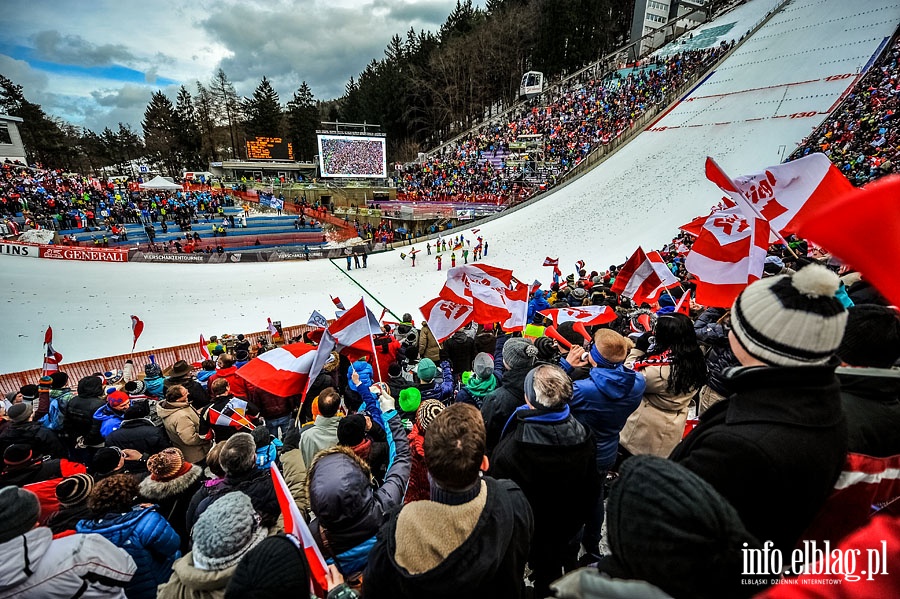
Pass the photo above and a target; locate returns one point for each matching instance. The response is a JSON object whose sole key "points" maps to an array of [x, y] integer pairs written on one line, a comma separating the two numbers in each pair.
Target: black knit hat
{"points": [[60, 379], [106, 460], [872, 337], [275, 567], [90, 386], [791, 320], [671, 528], [29, 392], [351, 430], [19, 511]]}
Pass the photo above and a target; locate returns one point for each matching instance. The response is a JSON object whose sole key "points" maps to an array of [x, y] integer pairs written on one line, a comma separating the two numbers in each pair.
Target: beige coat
{"points": [[182, 424], [657, 425], [428, 345], [294, 469]]}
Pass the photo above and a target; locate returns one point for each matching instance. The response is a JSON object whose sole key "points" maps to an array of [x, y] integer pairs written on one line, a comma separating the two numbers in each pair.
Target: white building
{"points": [[652, 16], [11, 146]]}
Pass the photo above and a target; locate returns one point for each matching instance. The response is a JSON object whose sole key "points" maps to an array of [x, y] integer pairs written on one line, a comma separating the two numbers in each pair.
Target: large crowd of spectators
{"points": [[560, 134], [359, 157]]}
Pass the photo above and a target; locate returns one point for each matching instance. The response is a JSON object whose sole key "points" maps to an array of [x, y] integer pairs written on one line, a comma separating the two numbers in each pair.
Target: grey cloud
{"points": [[127, 96], [21, 73], [52, 46]]}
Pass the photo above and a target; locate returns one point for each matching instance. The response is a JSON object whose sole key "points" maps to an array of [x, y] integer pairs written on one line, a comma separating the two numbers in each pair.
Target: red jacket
{"points": [[419, 487], [238, 387]]}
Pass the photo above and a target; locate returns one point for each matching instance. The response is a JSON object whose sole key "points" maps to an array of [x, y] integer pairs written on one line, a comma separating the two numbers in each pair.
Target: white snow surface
{"points": [[637, 197]]}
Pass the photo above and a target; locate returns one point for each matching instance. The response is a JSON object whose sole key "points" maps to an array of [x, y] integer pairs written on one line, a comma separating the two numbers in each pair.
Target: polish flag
{"points": [[862, 229], [728, 255], [786, 193], [229, 417], [548, 261], [283, 371], [643, 277], [137, 327], [445, 317], [204, 350], [296, 525], [587, 315], [351, 335]]}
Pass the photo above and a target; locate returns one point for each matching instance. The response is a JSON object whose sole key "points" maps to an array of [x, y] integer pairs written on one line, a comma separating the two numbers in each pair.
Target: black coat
{"points": [[197, 395], [79, 419], [460, 351], [489, 564], [871, 401], [774, 448], [500, 403], [719, 356], [139, 434], [257, 485], [43, 441]]}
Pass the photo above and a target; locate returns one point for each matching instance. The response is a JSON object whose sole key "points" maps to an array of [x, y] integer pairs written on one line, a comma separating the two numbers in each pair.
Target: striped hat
{"points": [[791, 320], [74, 489], [428, 411]]}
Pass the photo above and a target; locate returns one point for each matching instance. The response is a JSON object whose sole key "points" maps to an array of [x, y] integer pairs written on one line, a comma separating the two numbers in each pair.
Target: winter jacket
{"points": [[347, 507], [719, 355], [603, 402], [657, 425], [236, 383], [110, 419], [396, 384], [488, 561], [475, 392], [870, 398], [36, 566], [294, 470], [321, 435], [190, 582], [197, 395], [500, 403], [428, 345], [173, 497], [182, 424], [78, 419], [460, 351], [774, 449], [65, 518], [38, 471], [537, 304], [150, 541], [59, 399], [139, 434], [419, 486], [41, 440], [272, 406], [256, 484], [550, 454], [441, 388], [155, 387]]}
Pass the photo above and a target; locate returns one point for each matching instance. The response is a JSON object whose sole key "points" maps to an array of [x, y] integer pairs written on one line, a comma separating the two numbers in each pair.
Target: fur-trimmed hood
{"points": [[157, 490]]}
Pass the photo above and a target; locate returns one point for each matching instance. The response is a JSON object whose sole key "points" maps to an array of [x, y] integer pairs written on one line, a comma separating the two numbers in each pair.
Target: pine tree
{"points": [[187, 131], [228, 106], [302, 117], [159, 132], [205, 105], [263, 112]]}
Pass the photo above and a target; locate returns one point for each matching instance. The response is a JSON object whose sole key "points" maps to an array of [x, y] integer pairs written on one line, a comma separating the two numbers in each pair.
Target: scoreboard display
{"points": [[357, 156], [269, 148]]}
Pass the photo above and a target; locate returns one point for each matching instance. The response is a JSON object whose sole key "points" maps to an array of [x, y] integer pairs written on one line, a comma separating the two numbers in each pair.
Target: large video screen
{"points": [[269, 148], [352, 156]]}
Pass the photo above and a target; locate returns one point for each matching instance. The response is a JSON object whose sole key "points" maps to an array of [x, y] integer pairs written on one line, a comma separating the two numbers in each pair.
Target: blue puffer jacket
{"points": [[155, 386], [442, 388], [364, 369], [150, 541], [110, 420], [603, 402], [537, 304]]}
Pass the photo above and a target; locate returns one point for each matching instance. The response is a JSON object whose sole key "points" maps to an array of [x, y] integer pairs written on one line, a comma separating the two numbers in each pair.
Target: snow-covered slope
{"points": [[753, 110]]}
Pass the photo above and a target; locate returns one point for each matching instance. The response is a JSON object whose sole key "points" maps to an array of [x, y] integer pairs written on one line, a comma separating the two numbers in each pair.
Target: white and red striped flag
{"points": [[337, 302], [445, 317], [785, 193], [271, 327], [204, 349], [484, 287], [52, 358], [548, 261], [137, 327], [643, 277], [517, 305], [728, 255], [587, 315], [684, 305], [283, 371], [296, 525]]}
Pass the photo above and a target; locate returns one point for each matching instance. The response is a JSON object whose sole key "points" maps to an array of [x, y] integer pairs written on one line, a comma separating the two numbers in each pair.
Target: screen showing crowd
{"points": [[352, 156]]}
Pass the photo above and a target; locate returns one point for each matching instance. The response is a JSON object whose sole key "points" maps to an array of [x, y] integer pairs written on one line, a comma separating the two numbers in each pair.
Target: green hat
{"points": [[426, 370], [409, 399]]}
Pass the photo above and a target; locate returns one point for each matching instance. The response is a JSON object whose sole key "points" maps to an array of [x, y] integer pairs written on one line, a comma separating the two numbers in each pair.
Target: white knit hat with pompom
{"points": [[791, 320]]}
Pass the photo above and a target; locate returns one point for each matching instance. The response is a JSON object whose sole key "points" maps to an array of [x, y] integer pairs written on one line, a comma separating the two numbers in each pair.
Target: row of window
{"points": [[655, 18], [657, 5]]}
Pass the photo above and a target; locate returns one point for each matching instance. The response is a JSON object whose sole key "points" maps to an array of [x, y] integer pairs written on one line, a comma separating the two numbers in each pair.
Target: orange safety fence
{"points": [[165, 357]]}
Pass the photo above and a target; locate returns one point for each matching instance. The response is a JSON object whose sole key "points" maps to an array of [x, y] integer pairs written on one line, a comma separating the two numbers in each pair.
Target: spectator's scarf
{"points": [[663, 359], [478, 388]]}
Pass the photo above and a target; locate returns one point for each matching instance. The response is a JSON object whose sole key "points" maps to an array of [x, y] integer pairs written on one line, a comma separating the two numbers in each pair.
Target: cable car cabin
{"points": [[532, 84]]}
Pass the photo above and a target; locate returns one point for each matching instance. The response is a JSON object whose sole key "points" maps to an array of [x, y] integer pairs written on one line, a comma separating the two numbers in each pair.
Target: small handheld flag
{"points": [[137, 327]]}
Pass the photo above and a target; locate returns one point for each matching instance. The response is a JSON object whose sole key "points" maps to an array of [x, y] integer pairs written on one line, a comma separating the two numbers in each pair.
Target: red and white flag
{"points": [[204, 349], [684, 305], [728, 255], [337, 302], [517, 306], [283, 371], [643, 277], [137, 327], [229, 417], [862, 229], [52, 358], [484, 287], [445, 317], [271, 327], [351, 335], [587, 315], [296, 526], [784, 193], [548, 261]]}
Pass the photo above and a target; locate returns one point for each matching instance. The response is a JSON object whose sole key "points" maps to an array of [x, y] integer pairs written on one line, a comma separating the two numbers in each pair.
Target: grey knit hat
{"points": [[519, 353], [19, 511], [791, 320], [225, 531], [483, 365]]}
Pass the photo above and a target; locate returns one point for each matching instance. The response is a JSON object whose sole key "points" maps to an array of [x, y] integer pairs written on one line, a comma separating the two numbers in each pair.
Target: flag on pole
{"points": [[643, 277], [517, 306], [137, 327], [204, 350], [483, 287], [317, 320], [684, 307], [283, 371], [296, 526], [579, 266], [445, 317], [337, 302], [548, 261], [783, 194], [475, 231], [52, 358], [229, 417], [587, 315], [862, 229]]}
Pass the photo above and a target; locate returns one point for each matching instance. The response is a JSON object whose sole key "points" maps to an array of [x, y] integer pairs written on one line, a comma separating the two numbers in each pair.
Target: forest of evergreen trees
{"points": [[427, 87]]}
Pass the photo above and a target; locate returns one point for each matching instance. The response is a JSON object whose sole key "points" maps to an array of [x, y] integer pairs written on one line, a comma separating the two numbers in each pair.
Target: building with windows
{"points": [[11, 146], [663, 20]]}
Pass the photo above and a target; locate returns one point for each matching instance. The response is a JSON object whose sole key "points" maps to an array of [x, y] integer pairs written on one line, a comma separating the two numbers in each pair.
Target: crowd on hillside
{"points": [[482, 466], [580, 118]]}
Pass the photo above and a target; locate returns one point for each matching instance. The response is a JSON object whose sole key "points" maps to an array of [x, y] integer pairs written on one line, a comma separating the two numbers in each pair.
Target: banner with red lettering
{"points": [[59, 252]]}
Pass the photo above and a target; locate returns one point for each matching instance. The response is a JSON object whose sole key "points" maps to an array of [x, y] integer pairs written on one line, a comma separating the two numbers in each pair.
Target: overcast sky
{"points": [[96, 63]]}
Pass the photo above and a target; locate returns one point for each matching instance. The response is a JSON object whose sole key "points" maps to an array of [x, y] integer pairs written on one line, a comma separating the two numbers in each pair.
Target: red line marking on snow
{"points": [[756, 89]]}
